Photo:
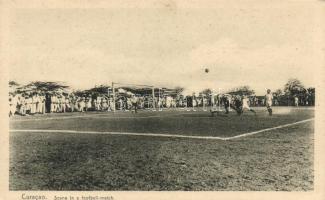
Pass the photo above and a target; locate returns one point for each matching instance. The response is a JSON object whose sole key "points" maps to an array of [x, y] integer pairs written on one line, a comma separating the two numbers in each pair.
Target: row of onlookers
{"points": [[39, 103]]}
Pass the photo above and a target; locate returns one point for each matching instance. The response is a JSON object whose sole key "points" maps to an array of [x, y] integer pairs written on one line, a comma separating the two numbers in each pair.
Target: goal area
{"points": [[120, 94], [150, 97]]}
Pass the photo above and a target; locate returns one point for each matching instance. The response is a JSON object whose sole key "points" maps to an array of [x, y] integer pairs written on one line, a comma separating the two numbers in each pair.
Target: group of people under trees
{"points": [[40, 102]]}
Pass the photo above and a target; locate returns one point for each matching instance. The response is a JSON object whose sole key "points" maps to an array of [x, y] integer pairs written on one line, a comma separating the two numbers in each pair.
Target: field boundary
{"points": [[110, 115], [162, 134], [106, 116]]}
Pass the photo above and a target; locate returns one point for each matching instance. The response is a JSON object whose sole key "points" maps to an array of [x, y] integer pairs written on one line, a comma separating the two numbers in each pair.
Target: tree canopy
{"points": [[294, 87], [43, 87], [206, 92], [242, 90]]}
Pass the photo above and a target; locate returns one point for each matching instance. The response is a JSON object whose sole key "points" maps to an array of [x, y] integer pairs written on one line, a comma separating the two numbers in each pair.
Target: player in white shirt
{"points": [[296, 101], [268, 101], [194, 102], [245, 104], [111, 105], [99, 100], [159, 104], [41, 105], [62, 102], [22, 105]]}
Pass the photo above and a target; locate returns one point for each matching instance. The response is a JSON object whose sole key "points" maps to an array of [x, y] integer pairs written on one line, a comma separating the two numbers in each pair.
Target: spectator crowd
{"points": [[58, 100]]}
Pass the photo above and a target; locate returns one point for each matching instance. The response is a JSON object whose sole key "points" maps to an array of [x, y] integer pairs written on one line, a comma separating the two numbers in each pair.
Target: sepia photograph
{"points": [[163, 96]]}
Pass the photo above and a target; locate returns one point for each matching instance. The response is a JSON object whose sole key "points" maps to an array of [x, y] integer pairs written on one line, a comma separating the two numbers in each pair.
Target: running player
{"points": [[245, 105], [237, 104], [268, 100], [226, 100]]}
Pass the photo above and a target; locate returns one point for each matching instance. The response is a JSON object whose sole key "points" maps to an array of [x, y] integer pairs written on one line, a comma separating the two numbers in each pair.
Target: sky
{"points": [[166, 45]]}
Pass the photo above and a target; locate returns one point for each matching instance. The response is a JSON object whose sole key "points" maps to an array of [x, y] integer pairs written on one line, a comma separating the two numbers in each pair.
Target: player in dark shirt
{"points": [[229, 101]]}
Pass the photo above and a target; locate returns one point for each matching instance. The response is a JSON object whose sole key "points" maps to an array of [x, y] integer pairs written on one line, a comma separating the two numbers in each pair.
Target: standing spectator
{"points": [[72, 102], [58, 104], [129, 103], [42, 103], [12, 105], [36, 102], [63, 104], [256, 101], [193, 102], [75, 101], [29, 103], [269, 99], [95, 104], [33, 104], [52, 103], [67, 104], [99, 100], [296, 99], [134, 101], [105, 103], [89, 105], [22, 105], [82, 104]]}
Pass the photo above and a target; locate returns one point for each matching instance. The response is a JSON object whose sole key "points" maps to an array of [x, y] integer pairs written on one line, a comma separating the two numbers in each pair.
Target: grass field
{"points": [[279, 159]]}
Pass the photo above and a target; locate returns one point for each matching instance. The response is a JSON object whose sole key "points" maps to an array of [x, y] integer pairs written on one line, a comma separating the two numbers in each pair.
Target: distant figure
{"points": [[256, 101], [22, 105], [296, 101], [82, 104], [120, 104], [88, 104], [159, 104], [12, 106], [226, 99], [269, 99], [105, 104], [67, 104], [134, 101]]}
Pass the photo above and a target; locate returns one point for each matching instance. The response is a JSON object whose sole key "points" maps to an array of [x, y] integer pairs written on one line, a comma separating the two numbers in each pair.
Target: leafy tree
{"points": [[278, 92], [242, 90], [179, 90], [207, 92], [311, 90], [311, 96], [13, 84], [43, 87], [13, 87], [294, 87], [97, 91]]}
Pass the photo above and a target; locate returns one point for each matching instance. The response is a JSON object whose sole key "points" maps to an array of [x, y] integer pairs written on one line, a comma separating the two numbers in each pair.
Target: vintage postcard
{"points": [[163, 99]]}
